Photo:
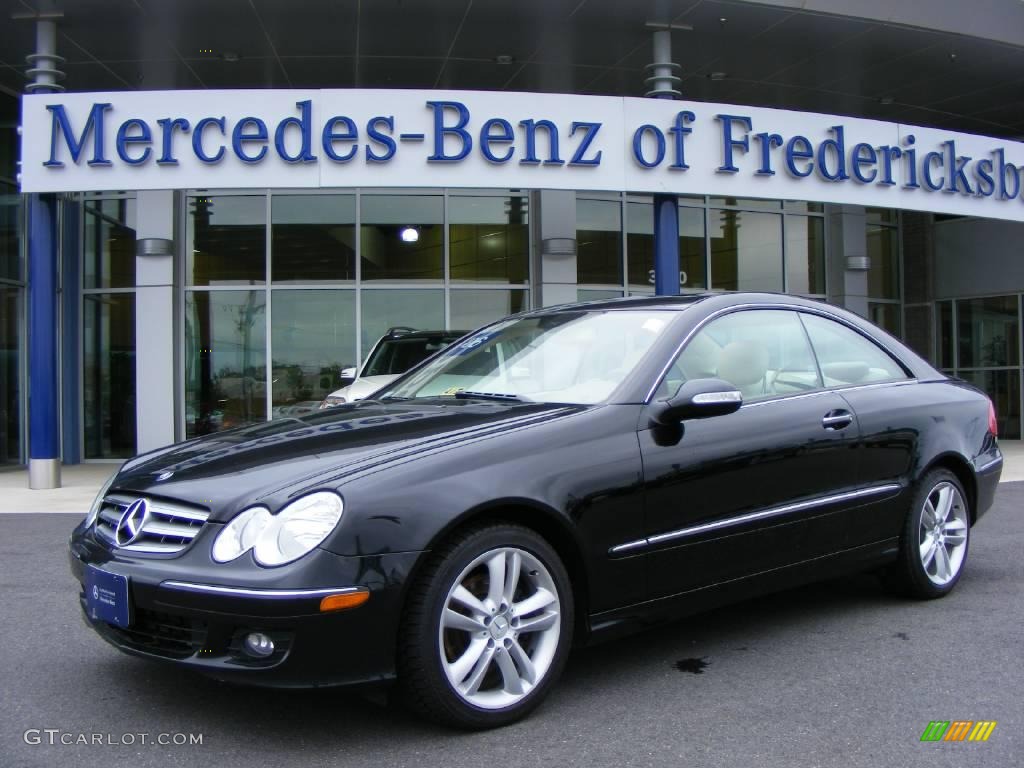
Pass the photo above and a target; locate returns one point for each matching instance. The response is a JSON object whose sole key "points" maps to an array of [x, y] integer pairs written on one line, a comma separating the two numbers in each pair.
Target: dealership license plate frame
{"points": [[107, 597]]}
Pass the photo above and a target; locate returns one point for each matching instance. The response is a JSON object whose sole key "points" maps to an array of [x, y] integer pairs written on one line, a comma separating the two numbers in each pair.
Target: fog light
{"points": [[259, 645]]}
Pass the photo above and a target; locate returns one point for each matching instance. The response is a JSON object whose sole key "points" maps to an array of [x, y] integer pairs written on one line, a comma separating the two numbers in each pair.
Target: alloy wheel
{"points": [[943, 532], [499, 628]]}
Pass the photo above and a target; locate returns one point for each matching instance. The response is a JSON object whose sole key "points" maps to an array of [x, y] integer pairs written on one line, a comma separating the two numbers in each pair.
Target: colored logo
{"points": [[130, 526], [958, 730]]}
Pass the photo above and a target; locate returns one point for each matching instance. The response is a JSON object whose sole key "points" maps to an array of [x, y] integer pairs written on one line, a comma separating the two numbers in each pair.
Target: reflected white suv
{"points": [[395, 352]]}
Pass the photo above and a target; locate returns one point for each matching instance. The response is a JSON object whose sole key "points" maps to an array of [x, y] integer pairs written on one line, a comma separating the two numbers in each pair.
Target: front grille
{"points": [[162, 634], [168, 528]]}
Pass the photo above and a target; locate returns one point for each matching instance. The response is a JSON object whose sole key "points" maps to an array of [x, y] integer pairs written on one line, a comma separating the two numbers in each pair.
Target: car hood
{"points": [[226, 471], [363, 387]]}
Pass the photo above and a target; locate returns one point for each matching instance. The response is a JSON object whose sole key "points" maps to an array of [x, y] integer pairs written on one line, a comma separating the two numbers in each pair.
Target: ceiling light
{"points": [[504, 58], [409, 234], [718, 76], [886, 100]]}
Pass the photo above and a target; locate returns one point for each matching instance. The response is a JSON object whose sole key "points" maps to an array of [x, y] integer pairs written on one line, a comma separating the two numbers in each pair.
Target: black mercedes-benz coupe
{"points": [[559, 476]]}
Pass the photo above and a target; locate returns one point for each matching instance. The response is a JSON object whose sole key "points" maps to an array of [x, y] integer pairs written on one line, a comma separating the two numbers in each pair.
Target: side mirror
{"points": [[347, 376], [697, 399]]}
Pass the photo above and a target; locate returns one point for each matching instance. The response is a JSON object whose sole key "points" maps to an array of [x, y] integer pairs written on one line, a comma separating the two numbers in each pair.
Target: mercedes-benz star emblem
{"points": [[129, 527]]}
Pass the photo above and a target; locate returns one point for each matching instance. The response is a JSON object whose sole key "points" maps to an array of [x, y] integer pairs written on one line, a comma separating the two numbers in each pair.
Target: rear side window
{"points": [[846, 357], [763, 353]]}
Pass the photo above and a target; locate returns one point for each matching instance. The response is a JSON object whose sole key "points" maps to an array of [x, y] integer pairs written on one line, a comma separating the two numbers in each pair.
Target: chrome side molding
{"points": [[632, 547], [273, 594]]}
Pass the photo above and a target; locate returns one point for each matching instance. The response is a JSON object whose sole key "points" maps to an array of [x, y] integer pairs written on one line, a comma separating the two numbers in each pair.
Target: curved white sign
{"points": [[406, 138]]}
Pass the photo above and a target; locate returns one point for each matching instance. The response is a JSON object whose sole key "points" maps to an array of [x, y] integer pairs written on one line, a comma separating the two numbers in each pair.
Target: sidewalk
{"points": [[83, 481]]}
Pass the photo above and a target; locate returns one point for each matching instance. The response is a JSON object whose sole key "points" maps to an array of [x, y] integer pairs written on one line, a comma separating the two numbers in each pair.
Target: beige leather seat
{"points": [[744, 364]]}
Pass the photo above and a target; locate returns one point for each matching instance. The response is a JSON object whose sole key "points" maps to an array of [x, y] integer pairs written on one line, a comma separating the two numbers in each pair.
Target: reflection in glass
{"points": [[402, 237], [805, 255], [10, 375], [640, 246], [884, 272], [987, 332], [108, 382], [313, 238], [489, 238], [746, 251], [571, 357], [10, 233], [746, 202], [945, 340], [225, 360], [593, 294], [314, 338], [227, 240], [109, 246], [881, 215], [598, 242], [384, 309], [470, 309], [1003, 387], [802, 206], [886, 316]]}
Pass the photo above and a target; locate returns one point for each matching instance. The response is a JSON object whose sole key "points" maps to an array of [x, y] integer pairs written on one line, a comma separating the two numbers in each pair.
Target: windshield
{"points": [[394, 356], [565, 357]]}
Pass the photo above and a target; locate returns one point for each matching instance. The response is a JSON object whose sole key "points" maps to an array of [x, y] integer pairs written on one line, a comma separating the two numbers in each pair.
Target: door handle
{"points": [[838, 419]]}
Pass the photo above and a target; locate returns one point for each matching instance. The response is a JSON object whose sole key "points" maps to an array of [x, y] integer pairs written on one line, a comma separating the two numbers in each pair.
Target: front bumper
{"points": [[191, 611]]}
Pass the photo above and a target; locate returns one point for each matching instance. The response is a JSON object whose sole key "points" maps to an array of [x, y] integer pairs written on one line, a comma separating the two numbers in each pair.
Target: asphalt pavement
{"points": [[836, 674]]}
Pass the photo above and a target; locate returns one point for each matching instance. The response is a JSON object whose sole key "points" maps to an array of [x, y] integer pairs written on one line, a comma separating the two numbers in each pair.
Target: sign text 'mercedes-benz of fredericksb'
{"points": [[408, 139]]}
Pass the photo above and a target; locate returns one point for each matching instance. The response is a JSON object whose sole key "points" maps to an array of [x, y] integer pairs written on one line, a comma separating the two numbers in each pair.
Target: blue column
{"points": [[43, 364], [666, 245]]}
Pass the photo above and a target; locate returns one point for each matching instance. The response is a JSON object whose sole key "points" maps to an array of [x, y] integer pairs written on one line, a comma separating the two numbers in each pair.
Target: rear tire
{"points": [[487, 628], [935, 538]]}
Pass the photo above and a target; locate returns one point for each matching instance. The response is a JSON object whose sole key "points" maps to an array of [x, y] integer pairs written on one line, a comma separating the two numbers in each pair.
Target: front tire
{"points": [[935, 540], [487, 628]]}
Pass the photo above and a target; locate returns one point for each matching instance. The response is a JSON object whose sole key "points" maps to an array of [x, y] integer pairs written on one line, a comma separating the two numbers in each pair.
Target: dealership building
{"points": [[209, 209]]}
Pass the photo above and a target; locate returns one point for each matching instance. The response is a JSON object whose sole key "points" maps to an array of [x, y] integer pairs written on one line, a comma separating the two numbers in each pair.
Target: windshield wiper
{"points": [[464, 394]]}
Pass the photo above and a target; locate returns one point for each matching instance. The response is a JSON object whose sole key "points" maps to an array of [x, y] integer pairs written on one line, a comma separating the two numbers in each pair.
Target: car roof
{"points": [[681, 302]]}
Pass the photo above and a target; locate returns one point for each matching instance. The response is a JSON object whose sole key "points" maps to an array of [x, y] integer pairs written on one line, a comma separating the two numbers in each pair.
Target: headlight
{"points": [[94, 510], [240, 534], [332, 400], [278, 539]]}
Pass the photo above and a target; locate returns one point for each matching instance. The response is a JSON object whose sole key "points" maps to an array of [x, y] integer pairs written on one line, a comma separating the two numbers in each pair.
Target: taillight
{"points": [[993, 425]]}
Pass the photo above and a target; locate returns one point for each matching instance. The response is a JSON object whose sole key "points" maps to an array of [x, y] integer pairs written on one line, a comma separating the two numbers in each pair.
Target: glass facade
{"points": [[12, 310], [343, 267], [884, 279], [979, 340], [108, 328], [108, 383], [725, 244], [279, 291], [225, 360]]}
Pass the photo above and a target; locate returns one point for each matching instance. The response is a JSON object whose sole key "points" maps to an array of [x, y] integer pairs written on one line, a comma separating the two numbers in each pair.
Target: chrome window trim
{"points": [[789, 307], [274, 594], [829, 391], [763, 514]]}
